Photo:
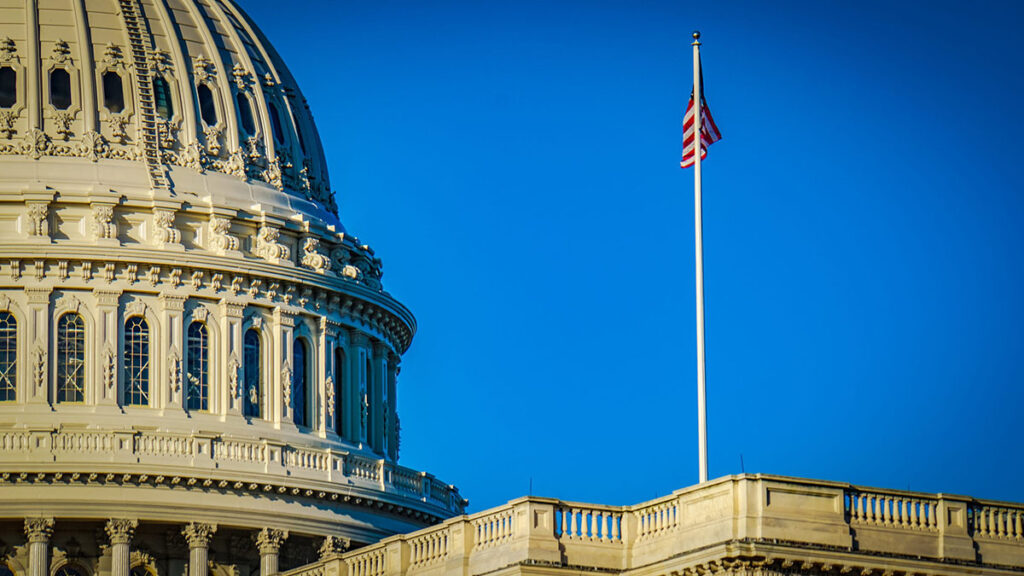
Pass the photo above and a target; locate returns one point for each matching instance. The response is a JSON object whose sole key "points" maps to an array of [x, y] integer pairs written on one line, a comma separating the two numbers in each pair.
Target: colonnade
{"points": [[120, 533]]}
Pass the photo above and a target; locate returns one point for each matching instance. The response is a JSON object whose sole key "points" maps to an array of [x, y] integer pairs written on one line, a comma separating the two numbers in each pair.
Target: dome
{"points": [[191, 345], [178, 98]]}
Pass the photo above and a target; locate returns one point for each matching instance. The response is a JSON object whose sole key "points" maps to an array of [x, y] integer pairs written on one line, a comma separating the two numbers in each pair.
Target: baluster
{"points": [[982, 527], [1003, 522], [572, 525], [915, 519], [643, 524], [904, 514], [1017, 525]]}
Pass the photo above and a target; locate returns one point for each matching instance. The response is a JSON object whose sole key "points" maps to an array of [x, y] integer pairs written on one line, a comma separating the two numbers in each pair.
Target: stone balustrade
{"points": [[258, 462], [788, 525]]}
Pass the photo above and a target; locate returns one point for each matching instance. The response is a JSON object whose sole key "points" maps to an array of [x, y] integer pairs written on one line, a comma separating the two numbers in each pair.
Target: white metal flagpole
{"points": [[698, 127]]}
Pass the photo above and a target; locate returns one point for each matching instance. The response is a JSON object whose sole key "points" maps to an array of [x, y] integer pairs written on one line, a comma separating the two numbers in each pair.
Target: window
{"points": [[197, 372], [251, 373], [162, 97], [275, 124], [245, 113], [339, 391], [207, 109], [113, 92], [299, 407], [8, 358], [60, 89], [8, 87], [70, 358], [136, 362]]}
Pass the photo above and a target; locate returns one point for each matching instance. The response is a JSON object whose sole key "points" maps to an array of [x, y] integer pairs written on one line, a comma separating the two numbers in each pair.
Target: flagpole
{"points": [[698, 126]]}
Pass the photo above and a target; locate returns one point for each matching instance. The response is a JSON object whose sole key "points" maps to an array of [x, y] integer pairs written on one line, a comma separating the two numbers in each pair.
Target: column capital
{"points": [[358, 339], [38, 529], [121, 530], [174, 302], [198, 535], [334, 545], [380, 349], [269, 540]]}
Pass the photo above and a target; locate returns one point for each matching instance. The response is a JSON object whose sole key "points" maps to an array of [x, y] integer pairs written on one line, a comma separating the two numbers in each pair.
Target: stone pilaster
{"points": [[329, 333], [120, 532], [281, 378], [198, 537], [38, 532], [107, 332], [232, 395], [170, 377], [391, 400], [269, 542], [359, 405], [39, 345], [378, 402]]}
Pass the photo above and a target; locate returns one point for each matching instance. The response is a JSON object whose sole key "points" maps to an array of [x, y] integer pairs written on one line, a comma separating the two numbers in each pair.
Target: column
{"points": [[269, 542], [170, 380], [324, 378], [281, 378], [379, 404], [231, 348], [358, 353], [38, 531], [393, 428], [120, 531], [198, 537], [39, 345], [106, 334]]}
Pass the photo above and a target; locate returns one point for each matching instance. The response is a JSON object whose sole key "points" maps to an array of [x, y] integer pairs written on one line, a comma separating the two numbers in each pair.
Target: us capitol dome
{"points": [[198, 364]]}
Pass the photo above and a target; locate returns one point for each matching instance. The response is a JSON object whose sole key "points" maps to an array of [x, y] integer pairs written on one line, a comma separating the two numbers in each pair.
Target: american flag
{"points": [[709, 132]]}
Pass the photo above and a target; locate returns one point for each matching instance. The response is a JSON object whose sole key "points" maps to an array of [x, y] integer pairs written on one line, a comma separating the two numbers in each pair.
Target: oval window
{"points": [[207, 109], [60, 89], [113, 92]]}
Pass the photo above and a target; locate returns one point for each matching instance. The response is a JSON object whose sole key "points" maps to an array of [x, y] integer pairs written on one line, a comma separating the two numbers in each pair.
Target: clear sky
{"points": [[516, 166]]}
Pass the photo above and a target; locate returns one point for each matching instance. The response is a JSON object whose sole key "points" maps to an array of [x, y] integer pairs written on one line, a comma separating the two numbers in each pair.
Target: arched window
{"points": [[207, 109], [339, 391], [251, 373], [197, 372], [70, 358], [136, 362], [8, 87], [8, 358], [113, 92], [60, 89], [162, 98], [245, 113], [299, 381]]}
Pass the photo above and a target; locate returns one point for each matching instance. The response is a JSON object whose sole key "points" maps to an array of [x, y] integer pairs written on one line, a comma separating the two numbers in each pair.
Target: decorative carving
{"points": [[108, 272], [329, 385], [162, 61], [38, 529], [268, 80], [334, 545], [267, 245], [7, 120], [286, 385], [254, 287], [241, 76], [313, 258], [269, 540], [212, 134], [272, 174], [235, 165], [131, 273], [350, 271], [175, 277], [39, 369], [113, 55], [203, 68], [119, 127], [135, 308], [5, 302], [68, 303], [198, 535], [121, 530], [220, 239], [93, 146], [153, 276], [64, 119], [109, 368], [7, 50], [37, 213], [86, 271], [194, 157], [233, 376], [236, 284], [164, 232], [175, 368], [103, 227], [168, 132], [201, 314], [197, 279], [62, 269], [61, 51], [215, 281], [256, 320], [37, 143]]}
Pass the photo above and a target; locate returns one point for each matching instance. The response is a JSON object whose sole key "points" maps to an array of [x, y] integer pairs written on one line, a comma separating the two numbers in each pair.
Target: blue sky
{"points": [[516, 166]]}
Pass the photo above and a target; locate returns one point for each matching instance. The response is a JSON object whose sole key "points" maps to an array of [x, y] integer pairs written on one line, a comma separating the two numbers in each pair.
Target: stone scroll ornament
{"points": [[313, 258], [37, 213], [103, 226], [221, 241], [267, 245], [164, 232]]}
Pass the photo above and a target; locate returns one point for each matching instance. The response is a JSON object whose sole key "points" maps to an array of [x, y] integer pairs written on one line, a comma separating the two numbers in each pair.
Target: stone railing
{"points": [[299, 469], [752, 509]]}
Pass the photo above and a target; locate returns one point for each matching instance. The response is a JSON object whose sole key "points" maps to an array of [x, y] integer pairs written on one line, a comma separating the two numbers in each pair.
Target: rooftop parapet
{"points": [[743, 524]]}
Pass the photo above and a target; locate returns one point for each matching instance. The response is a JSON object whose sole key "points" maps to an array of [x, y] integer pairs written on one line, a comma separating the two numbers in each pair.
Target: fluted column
{"points": [[38, 531], [120, 532], [198, 537], [269, 542]]}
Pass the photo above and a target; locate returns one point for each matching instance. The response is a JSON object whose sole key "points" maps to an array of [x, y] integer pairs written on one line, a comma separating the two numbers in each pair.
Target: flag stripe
{"points": [[709, 133]]}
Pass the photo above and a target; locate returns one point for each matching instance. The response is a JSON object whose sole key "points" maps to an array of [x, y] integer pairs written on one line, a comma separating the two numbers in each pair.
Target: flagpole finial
{"points": [[696, 38]]}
